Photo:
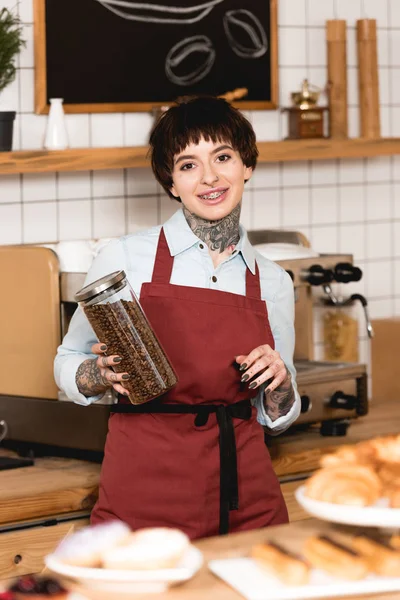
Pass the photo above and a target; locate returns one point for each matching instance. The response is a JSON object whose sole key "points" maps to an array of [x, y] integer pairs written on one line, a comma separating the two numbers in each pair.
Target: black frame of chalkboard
{"points": [[42, 106]]}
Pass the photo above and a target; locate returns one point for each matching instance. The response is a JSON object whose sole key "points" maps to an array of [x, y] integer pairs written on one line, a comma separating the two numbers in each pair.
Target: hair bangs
{"points": [[195, 119]]}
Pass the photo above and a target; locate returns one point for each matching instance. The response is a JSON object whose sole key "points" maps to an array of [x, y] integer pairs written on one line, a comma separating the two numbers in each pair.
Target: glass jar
{"points": [[118, 320]]}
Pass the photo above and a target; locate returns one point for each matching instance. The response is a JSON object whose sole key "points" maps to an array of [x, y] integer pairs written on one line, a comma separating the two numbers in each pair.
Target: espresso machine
{"points": [[332, 393]]}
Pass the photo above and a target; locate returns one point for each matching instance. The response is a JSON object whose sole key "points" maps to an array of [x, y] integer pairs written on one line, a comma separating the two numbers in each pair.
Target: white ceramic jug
{"points": [[56, 132]]}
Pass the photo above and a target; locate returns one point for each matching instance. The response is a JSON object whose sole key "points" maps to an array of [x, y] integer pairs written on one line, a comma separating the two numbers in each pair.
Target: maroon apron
{"points": [[195, 458]]}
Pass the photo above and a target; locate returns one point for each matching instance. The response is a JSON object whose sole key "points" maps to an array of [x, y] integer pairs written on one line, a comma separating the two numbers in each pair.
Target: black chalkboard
{"points": [[126, 55]]}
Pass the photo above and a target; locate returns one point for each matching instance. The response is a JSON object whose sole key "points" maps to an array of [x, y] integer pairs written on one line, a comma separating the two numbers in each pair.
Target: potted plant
{"points": [[11, 43]]}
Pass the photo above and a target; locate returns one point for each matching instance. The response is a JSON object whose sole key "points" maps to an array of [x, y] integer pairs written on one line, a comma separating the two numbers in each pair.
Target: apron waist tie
{"points": [[229, 492]]}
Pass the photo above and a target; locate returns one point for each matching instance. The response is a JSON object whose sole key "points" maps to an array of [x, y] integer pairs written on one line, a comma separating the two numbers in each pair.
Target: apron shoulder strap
{"points": [[253, 287], [163, 262]]}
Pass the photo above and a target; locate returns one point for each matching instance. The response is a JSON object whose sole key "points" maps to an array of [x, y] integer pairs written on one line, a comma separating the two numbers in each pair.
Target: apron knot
{"points": [[229, 489]]}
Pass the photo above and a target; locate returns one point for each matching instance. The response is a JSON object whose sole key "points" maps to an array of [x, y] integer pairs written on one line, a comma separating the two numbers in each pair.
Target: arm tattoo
{"points": [[89, 379], [278, 402], [218, 235]]}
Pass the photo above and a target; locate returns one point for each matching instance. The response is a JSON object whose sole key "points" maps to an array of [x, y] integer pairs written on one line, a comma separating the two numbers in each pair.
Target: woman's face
{"points": [[209, 179]]}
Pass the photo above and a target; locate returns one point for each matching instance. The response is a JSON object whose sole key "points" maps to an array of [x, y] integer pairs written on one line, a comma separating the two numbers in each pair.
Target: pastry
{"points": [[388, 449], [393, 493], [389, 473], [324, 553], [287, 567], [150, 548], [85, 547], [395, 542], [345, 454], [351, 484], [382, 558], [361, 453], [371, 453]]}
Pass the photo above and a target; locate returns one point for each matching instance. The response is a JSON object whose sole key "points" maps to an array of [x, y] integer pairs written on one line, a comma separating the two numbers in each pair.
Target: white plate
{"points": [[378, 515], [253, 583], [121, 581]]}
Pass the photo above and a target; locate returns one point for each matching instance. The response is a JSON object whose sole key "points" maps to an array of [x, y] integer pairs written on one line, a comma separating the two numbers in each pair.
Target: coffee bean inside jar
{"points": [[119, 321]]}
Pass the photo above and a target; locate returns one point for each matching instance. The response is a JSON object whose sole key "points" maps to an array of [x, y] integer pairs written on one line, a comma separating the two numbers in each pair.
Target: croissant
{"points": [[361, 453], [382, 558], [290, 569], [345, 454], [395, 541], [322, 552], [388, 449], [393, 493], [350, 484], [389, 474]]}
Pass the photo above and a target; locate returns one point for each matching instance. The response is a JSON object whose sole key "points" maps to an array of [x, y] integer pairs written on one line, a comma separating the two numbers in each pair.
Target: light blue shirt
{"points": [[193, 266]]}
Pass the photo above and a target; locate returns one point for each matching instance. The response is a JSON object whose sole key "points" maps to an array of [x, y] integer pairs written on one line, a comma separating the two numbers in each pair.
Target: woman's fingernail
{"points": [[253, 385], [117, 359], [103, 348], [245, 378], [125, 377], [243, 367], [126, 393]]}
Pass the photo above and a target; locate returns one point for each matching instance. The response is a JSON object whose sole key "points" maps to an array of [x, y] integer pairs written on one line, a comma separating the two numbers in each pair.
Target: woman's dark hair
{"points": [[189, 121]]}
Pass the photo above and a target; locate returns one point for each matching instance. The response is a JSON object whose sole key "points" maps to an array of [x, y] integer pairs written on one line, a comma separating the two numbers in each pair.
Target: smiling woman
{"points": [[224, 316]]}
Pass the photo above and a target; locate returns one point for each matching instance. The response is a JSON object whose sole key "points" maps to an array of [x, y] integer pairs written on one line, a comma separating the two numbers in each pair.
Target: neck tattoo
{"points": [[218, 235]]}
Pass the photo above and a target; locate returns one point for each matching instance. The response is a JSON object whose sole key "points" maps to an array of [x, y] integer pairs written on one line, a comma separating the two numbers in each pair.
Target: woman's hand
{"points": [[95, 375], [262, 364]]}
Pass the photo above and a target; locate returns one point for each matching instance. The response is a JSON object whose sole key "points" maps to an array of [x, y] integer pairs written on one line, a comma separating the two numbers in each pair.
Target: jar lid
{"points": [[99, 286]]}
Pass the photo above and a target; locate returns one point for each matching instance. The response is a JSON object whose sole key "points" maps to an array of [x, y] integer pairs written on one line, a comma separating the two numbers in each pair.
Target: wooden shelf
{"points": [[94, 159]]}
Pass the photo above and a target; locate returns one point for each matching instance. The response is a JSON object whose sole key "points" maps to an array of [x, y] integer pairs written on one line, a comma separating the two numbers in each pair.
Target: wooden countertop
{"points": [[51, 486], [206, 585], [299, 452], [59, 485]]}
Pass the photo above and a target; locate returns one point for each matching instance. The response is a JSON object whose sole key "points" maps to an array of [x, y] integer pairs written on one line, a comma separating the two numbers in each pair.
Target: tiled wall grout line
{"points": [[392, 175], [57, 206]]}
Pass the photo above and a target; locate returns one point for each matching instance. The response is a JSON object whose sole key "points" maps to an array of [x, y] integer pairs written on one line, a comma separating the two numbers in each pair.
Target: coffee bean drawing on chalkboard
{"points": [[156, 13], [245, 23], [180, 54], [127, 55]]}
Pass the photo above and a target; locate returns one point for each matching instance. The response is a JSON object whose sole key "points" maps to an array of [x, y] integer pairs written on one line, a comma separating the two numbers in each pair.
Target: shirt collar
{"points": [[180, 237], [246, 250]]}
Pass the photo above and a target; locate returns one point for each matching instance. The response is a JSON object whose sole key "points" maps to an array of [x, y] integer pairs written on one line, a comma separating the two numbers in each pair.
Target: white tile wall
{"points": [[108, 217], [74, 185], [379, 202], [247, 209], [324, 205], [10, 189], [107, 130], [39, 186], [296, 207], [108, 183], [143, 212], [78, 129], [11, 223], [40, 222], [341, 205], [292, 12], [75, 220], [267, 209]]}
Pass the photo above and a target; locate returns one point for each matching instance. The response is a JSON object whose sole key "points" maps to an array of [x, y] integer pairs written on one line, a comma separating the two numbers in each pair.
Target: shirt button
{"points": [[214, 278], [201, 246]]}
